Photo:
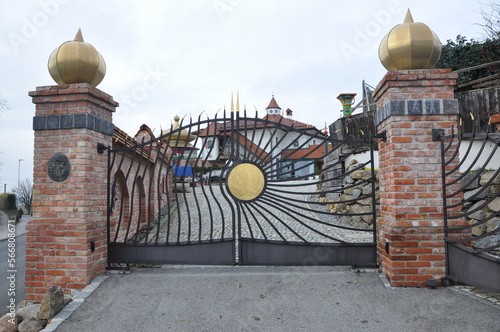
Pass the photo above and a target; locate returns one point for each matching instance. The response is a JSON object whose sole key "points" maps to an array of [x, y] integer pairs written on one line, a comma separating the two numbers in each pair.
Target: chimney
{"points": [[289, 113]]}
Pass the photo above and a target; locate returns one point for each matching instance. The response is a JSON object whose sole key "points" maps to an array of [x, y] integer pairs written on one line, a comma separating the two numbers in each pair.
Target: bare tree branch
{"points": [[25, 195], [491, 20]]}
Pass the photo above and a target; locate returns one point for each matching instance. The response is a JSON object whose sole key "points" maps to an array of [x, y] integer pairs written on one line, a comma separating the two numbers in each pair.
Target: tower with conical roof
{"points": [[273, 107]]}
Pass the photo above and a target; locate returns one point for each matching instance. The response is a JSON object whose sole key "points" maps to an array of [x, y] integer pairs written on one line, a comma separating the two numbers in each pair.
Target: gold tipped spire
{"points": [[408, 17], [237, 101], [232, 103], [79, 36]]}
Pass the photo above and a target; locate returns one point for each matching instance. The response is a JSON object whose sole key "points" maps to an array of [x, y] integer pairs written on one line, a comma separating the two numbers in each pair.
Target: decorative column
{"points": [[410, 233], [412, 100], [66, 240]]}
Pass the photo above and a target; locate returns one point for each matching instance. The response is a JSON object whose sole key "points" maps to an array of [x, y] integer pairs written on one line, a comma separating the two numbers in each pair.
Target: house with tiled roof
{"points": [[274, 137]]}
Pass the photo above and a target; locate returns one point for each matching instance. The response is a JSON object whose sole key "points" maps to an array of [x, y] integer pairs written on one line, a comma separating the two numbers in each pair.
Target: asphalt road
{"points": [[19, 274], [267, 298]]}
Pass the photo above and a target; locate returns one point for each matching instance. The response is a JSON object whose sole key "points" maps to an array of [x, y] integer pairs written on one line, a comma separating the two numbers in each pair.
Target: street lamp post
{"points": [[19, 174]]}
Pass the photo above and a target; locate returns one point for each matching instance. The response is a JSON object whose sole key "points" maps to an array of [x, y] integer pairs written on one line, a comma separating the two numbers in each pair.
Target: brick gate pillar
{"points": [[66, 240], [410, 238]]}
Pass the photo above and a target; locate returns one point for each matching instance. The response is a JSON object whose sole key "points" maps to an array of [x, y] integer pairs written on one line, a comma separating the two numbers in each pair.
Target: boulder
{"points": [[492, 224], [494, 205], [52, 303], [476, 194], [488, 176], [30, 311], [367, 189], [361, 174], [9, 323], [479, 214], [32, 325], [473, 178]]}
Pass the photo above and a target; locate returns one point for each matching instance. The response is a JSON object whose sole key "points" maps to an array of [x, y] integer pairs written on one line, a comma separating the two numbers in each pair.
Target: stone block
{"points": [[80, 120], [414, 106], [432, 106], [53, 122], [39, 123], [67, 121], [450, 106]]}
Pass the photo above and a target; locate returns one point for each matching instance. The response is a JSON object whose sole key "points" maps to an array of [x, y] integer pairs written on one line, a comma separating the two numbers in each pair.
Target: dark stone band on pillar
{"points": [[416, 107], [72, 121]]}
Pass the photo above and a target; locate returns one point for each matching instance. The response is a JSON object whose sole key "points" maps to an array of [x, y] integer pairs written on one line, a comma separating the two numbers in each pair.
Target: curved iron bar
{"points": [[255, 219], [332, 214], [265, 217], [287, 212], [279, 219]]}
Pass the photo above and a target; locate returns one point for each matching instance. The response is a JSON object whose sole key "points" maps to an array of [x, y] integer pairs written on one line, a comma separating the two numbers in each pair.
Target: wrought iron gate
{"points": [[471, 191], [233, 190]]}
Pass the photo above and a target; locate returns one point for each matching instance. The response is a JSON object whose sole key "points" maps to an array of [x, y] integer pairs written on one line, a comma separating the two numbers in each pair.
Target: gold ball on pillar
{"points": [[77, 62], [411, 45]]}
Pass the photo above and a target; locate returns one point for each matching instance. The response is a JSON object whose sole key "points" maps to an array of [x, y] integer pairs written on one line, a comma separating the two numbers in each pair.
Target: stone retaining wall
{"points": [[479, 197]]}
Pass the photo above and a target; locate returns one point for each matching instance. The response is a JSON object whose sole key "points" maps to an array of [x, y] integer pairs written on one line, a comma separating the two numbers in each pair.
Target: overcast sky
{"points": [[187, 56]]}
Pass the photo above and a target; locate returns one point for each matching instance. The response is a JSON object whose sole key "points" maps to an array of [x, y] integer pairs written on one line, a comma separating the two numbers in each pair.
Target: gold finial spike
{"points": [[408, 17], [232, 104], [237, 101], [176, 124], [79, 36], [472, 116]]}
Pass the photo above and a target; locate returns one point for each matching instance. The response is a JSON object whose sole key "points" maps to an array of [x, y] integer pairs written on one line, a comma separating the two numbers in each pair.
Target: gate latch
{"points": [[101, 148], [437, 134]]}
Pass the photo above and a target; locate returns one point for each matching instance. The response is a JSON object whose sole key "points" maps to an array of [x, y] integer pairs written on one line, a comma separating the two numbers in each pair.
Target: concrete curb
{"points": [[75, 304]]}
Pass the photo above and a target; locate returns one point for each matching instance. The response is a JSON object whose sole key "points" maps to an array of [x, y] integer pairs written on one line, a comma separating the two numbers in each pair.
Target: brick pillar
{"points": [[410, 238], [66, 240]]}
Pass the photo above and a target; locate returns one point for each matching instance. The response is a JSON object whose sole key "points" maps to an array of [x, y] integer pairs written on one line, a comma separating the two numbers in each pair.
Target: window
{"points": [[295, 143], [209, 144]]}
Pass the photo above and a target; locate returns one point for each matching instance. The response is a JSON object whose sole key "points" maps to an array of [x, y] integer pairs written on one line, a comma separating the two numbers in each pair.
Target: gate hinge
{"points": [[382, 135], [437, 134], [101, 148]]}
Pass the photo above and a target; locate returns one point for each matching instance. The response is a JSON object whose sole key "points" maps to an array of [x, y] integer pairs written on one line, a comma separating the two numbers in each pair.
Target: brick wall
{"points": [[66, 240], [410, 236]]}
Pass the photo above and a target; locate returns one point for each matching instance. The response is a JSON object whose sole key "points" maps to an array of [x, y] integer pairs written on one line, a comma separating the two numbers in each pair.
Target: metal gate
{"points": [[471, 191], [233, 190]]}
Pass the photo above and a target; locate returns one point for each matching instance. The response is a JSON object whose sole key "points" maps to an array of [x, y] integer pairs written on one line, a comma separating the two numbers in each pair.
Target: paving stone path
{"points": [[207, 212]]}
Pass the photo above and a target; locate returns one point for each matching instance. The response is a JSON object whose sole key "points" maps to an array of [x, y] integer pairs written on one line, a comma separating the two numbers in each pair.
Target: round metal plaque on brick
{"points": [[58, 167]]}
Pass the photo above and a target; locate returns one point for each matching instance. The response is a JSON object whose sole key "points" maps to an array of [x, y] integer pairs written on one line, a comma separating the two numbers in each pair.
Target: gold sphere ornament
{"points": [[77, 62], [411, 45]]}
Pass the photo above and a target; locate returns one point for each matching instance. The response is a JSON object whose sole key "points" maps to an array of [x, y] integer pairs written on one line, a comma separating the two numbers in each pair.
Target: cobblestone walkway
{"points": [[207, 213]]}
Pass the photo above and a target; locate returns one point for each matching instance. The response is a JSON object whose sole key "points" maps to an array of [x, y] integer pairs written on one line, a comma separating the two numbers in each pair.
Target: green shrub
{"points": [[11, 201]]}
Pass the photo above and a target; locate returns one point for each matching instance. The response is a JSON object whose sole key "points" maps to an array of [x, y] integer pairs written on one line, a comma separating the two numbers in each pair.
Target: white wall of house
{"points": [[494, 163], [363, 158]]}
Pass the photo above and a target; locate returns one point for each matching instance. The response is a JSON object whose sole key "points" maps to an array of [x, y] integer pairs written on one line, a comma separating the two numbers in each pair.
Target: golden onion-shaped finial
{"points": [[77, 62], [410, 46], [181, 138]]}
